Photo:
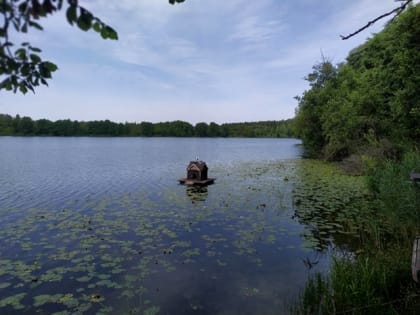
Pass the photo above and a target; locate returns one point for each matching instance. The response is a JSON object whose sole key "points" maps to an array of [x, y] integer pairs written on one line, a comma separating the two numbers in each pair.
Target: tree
{"points": [[372, 102], [202, 129], [214, 130], [26, 126], [6, 124], [309, 113], [23, 68], [44, 127]]}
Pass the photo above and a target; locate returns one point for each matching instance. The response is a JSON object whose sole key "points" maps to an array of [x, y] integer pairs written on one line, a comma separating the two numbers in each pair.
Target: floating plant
{"points": [[122, 251]]}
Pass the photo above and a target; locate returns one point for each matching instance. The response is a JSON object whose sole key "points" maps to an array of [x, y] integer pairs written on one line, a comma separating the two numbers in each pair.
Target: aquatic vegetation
{"points": [[13, 301], [333, 206], [370, 273], [125, 251]]}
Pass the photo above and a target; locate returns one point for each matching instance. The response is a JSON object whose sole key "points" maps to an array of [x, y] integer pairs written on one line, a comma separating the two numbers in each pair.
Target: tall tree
{"points": [[372, 98]]}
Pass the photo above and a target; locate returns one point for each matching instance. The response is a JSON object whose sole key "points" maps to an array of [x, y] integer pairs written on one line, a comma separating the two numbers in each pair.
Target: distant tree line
{"points": [[26, 126], [370, 102]]}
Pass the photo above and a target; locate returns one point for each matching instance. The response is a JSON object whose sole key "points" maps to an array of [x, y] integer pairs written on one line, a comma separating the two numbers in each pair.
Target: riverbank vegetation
{"points": [[373, 98], [26, 126], [364, 113], [369, 223]]}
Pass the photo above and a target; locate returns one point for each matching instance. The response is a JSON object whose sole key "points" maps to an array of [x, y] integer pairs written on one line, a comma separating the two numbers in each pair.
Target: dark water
{"points": [[101, 226]]}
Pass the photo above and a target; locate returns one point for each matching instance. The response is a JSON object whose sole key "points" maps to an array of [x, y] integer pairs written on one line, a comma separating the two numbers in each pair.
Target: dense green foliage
{"points": [[373, 96], [25, 126]]}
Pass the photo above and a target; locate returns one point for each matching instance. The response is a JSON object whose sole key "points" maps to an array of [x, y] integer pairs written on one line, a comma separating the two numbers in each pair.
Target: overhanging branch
{"points": [[397, 12]]}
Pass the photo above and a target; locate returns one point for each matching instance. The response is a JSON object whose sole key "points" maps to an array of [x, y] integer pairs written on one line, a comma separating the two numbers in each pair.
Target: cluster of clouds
{"points": [[217, 60]]}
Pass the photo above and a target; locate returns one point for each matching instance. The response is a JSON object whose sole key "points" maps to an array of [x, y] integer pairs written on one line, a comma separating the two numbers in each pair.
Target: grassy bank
{"points": [[371, 224]]}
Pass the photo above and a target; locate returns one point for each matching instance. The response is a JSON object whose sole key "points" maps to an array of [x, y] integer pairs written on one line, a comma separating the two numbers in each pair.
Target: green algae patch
{"points": [[4, 285], [153, 310], [13, 301], [65, 299]]}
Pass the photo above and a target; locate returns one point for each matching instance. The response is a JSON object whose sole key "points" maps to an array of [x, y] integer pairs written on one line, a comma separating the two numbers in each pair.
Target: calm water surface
{"points": [[101, 226]]}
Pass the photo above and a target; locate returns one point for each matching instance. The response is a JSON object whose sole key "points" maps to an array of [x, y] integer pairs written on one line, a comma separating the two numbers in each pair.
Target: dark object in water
{"points": [[197, 174], [415, 264]]}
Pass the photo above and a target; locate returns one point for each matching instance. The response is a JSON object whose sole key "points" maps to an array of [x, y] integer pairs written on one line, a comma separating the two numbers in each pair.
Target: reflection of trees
{"points": [[197, 193]]}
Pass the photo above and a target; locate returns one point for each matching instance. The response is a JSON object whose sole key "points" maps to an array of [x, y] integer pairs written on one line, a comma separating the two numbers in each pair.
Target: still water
{"points": [[101, 226]]}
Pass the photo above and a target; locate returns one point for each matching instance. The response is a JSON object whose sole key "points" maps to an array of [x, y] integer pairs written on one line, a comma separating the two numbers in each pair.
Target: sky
{"points": [[200, 61]]}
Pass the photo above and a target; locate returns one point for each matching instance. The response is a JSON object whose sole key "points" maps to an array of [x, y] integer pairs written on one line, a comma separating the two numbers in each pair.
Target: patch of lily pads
{"points": [[107, 252], [332, 206]]}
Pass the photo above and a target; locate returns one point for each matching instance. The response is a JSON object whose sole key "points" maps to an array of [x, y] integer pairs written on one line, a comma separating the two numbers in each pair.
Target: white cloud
{"points": [[253, 30], [212, 60]]}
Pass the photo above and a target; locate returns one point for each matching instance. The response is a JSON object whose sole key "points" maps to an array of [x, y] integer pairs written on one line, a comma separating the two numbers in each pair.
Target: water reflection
{"points": [[116, 237], [310, 261], [197, 194]]}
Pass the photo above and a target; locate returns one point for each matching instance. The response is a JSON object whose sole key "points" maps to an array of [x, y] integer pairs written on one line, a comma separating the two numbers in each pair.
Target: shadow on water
{"points": [[197, 194]]}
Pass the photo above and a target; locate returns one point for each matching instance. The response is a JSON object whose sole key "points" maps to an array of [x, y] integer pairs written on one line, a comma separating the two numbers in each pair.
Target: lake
{"points": [[101, 226]]}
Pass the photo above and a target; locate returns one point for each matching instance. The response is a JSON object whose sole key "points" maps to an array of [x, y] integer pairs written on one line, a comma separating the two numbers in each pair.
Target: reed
{"points": [[376, 278]]}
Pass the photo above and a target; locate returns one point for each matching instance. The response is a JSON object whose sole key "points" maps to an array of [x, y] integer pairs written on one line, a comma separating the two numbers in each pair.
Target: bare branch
{"points": [[397, 12]]}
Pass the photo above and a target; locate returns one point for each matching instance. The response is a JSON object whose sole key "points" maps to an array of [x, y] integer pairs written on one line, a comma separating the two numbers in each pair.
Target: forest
{"points": [[371, 101], [26, 126]]}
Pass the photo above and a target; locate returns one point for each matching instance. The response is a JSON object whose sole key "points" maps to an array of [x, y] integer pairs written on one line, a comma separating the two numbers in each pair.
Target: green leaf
{"points": [[48, 7], [6, 84], [24, 28], [22, 7], [21, 53], [35, 58], [35, 25], [34, 49], [16, 25], [71, 14], [44, 72], [85, 20], [29, 86], [50, 66], [12, 65], [23, 88], [109, 32], [83, 24], [97, 27], [25, 69]]}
